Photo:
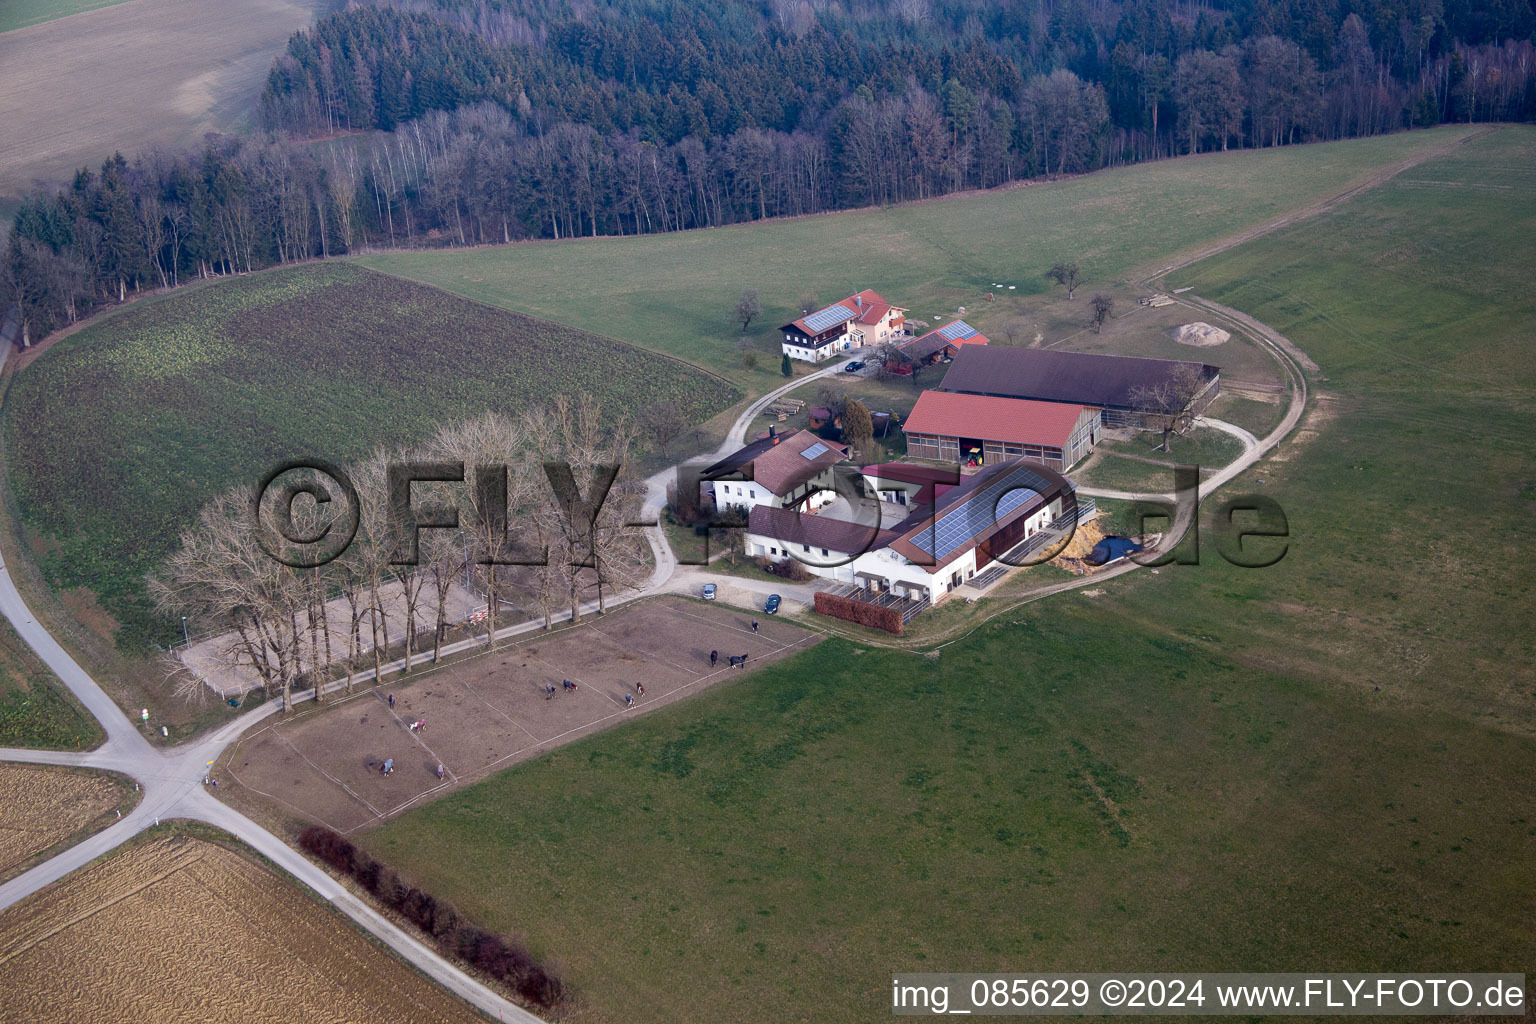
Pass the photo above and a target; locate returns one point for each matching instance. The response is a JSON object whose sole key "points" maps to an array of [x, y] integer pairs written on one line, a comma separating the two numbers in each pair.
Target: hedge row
{"points": [[860, 613], [505, 959]]}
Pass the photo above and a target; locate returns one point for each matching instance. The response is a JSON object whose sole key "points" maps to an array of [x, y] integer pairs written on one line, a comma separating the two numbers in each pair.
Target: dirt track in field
{"points": [[133, 76], [1313, 209], [179, 929], [40, 806]]}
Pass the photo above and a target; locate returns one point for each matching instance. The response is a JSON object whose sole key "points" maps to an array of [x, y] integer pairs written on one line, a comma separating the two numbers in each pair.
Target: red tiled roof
{"points": [[866, 307], [1014, 420], [869, 305]]}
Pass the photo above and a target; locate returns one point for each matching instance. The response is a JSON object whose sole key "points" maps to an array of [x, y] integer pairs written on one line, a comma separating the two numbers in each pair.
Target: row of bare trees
{"points": [[530, 512]]}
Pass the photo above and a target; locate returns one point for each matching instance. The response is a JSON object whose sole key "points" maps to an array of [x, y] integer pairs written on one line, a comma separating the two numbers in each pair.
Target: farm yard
{"points": [[492, 711], [1114, 768], [674, 292], [173, 399], [130, 76], [187, 929], [43, 806]]}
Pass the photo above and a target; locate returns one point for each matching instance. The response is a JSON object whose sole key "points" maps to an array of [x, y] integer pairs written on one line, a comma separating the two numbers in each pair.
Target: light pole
{"points": [[184, 641]]}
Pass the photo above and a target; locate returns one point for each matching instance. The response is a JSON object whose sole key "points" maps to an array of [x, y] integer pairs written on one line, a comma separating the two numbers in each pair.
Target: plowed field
{"points": [[40, 806], [180, 929]]}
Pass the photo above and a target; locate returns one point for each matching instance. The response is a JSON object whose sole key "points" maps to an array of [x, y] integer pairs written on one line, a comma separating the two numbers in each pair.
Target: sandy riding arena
{"points": [[488, 712], [179, 929], [41, 806]]}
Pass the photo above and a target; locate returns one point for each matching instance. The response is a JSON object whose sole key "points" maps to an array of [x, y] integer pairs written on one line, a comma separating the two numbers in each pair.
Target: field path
{"points": [[1311, 210]]}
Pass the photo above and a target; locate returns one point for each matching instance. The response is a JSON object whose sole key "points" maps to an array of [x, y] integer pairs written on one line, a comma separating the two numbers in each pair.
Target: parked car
{"points": [[709, 591], [772, 607], [854, 367]]}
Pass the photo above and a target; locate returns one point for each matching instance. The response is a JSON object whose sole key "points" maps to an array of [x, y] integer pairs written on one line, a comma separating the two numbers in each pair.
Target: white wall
{"points": [[883, 562]]}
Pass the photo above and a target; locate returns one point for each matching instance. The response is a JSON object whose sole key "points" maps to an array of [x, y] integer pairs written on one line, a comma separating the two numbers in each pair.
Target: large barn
{"points": [[1074, 378], [979, 430]]}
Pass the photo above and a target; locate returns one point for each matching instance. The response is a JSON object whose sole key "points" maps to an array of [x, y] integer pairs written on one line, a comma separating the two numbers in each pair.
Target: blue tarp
{"points": [[1111, 548]]}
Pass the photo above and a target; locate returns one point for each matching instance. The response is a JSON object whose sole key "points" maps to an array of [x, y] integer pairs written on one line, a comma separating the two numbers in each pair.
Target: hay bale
{"points": [[1200, 335], [1088, 534]]}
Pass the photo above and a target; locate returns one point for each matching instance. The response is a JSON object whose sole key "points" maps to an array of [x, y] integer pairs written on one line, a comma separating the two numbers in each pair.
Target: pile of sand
{"points": [[1200, 335]]}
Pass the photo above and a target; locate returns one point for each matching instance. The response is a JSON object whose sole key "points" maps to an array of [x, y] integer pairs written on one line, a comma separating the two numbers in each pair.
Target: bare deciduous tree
{"points": [[1167, 405], [748, 307], [662, 423], [1102, 304], [1066, 275]]}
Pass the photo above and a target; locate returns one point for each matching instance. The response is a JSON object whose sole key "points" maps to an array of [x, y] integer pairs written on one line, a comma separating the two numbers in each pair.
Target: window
{"points": [[825, 552], [774, 550]]}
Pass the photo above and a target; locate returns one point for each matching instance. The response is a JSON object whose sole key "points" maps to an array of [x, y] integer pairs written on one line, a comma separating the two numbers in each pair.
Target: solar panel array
{"points": [[981, 511], [824, 318], [815, 450], [957, 330]]}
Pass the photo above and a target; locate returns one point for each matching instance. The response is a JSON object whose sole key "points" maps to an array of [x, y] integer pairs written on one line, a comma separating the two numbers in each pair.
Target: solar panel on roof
{"points": [[815, 450], [980, 511], [957, 330], [824, 318]]}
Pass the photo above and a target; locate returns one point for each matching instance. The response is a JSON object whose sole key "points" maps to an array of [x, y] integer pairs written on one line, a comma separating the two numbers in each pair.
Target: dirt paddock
{"points": [[488, 712]]}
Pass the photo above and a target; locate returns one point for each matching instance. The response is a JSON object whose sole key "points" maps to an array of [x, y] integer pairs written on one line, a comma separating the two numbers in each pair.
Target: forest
{"points": [[462, 122]]}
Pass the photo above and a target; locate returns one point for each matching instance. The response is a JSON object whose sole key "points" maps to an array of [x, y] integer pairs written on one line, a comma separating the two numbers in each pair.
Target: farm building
{"points": [[936, 346], [1074, 378], [859, 320], [776, 469], [942, 536], [983, 429]]}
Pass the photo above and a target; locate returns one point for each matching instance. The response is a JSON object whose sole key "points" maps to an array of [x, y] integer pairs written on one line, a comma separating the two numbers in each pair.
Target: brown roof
{"points": [[1014, 420], [779, 464], [817, 531], [1082, 378]]}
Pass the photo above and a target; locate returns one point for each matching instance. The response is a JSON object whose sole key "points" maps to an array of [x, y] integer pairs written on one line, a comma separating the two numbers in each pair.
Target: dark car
{"points": [[772, 607], [854, 367]]}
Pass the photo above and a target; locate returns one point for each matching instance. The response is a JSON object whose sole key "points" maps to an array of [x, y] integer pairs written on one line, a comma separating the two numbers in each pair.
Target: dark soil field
{"points": [[492, 711], [118, 435]]}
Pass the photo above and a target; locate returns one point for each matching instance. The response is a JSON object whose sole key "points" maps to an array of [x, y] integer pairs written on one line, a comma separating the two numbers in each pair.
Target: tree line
{"points": [[274, 605], [466, 122]]}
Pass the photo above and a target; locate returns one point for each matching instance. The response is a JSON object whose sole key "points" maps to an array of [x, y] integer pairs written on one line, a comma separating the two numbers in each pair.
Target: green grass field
{"points": [[35, 708], [675, 292], [21, 13], [1323, 765], [121, 433]]}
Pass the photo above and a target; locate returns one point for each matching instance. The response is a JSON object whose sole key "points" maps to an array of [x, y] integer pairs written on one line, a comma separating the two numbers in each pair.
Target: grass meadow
{"points": [[1323, 765], [35, 708], [120, 434], [21, 13], [675, 292]]}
